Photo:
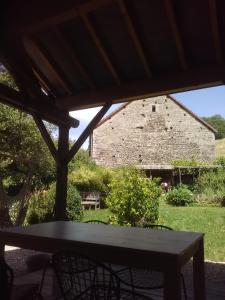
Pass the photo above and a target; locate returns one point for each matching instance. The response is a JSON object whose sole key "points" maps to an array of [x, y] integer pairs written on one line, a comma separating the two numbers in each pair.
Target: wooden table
{"points": [[165, 251]]}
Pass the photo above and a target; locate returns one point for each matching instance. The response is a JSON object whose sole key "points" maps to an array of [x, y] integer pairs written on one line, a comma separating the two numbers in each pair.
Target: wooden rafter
{"points": [[46, 111], [84, 135], [50, 18], [134, 36], [43, 82], [46, 136], [172, 83], [74, 58], [100, 48], [176, 34], [38, 51], [215, 30]]}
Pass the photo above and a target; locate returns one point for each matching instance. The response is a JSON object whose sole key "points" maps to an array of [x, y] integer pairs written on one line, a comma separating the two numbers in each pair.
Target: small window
{"points": [[153, 108]]}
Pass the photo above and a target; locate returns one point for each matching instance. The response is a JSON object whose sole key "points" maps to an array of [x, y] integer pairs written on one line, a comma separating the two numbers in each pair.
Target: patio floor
{"points": [[215, 276]]}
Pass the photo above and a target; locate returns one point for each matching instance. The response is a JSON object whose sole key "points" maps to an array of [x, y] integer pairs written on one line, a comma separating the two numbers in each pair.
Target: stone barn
{"points": [[150, 134]]}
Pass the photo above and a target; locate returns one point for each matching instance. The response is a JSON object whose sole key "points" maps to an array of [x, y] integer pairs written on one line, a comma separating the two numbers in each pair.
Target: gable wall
{"points": [[136, 135]]}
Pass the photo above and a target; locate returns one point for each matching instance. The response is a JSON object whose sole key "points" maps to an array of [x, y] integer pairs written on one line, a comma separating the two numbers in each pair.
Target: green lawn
{"points": [[210, 220]]}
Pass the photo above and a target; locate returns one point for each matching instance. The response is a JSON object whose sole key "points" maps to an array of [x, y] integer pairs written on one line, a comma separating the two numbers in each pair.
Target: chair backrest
{"points": [[157, 226], [81, 277], [96, 222], [6, 279]]}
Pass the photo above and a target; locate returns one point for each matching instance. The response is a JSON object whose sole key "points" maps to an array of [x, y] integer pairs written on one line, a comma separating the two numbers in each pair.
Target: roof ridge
{"points": [[113, 113]]}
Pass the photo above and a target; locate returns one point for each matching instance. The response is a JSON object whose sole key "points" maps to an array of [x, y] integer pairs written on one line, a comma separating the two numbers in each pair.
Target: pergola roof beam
{"points": [[157, 86], [176, 34], [39, 51], [134, 36], [87, 131], [46, 136], [16, 99], [215, 30], [51, 18], [100, 48], [74, 58]]}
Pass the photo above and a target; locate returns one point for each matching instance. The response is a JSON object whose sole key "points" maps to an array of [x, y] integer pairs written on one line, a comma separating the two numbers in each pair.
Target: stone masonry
{"points": [[151, 133]]}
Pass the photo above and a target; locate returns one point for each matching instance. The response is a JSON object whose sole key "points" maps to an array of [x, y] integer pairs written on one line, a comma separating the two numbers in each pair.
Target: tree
{"points": [[217, 122], [25, 161]]}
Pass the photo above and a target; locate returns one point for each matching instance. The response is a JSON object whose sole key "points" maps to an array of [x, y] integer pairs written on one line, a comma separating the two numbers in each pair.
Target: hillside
{"points": [[220, 147]]}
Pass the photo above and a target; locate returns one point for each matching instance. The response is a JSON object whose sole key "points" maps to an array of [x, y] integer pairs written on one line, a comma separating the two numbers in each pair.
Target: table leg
{"points": [[2, 249], [172, 285], [199, 273]]}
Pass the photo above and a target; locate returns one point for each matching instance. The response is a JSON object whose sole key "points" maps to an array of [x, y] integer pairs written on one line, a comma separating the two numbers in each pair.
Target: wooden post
{"points": [[179, 176], [62, 173]]}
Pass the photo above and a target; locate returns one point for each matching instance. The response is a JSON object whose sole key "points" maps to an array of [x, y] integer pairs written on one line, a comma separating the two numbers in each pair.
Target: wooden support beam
{"points": [[176, 34], [62, 174], [46, 136], [134, 37], [215, 30], [87, 132], [46, 111], [43, 80], [172, 83], [53, 14], [74, 58], [100, 48], [38, 50]]}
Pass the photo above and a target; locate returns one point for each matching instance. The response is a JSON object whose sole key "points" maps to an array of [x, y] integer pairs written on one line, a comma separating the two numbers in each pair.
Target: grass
{"points": [[220, 147], [210, 220]]}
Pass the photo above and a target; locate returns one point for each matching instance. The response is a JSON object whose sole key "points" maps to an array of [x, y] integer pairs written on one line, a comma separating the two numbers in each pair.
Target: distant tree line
{"points": [[217, 122]]}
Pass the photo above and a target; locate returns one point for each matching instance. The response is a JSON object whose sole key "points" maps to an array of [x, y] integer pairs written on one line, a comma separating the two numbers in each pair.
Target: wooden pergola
{"points": [[74, 54]]}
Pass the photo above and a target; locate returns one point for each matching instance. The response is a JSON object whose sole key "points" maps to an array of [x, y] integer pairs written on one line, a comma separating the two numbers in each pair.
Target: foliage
{"points": [[7, 79], [133, 198], [87, 179], [220, 161], [180, 196], [210, 187], [81, 159], [189, 166], [41, 207], [217, 122], [22, 148], [25, 161]]}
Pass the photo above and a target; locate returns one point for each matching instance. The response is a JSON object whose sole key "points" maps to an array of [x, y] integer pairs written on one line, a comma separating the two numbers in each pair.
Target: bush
{"points": [[180, 196], [133, 198], [90, 180], [41, 206], [210, 187]]}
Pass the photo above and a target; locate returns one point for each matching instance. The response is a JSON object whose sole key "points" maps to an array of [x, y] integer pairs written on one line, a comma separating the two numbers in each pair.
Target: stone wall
{"points": [[153, 131]]}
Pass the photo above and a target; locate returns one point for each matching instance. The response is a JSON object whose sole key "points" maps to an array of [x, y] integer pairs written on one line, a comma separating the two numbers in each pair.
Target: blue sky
{"points": [[204, 103]]}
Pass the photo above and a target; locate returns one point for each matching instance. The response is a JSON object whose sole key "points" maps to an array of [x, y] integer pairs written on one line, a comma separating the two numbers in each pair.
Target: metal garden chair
{"points": [[145, 279], [81, 277], [8, 291]]}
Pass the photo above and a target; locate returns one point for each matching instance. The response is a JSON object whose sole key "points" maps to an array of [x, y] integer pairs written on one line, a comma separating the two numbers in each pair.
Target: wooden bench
{"points": [[90, 199]]}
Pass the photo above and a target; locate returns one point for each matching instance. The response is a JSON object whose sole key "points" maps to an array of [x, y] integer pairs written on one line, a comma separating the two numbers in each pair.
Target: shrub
{"points": [[41, 206], [210, 187], [180, 196], [90, 180], [133, 199]]}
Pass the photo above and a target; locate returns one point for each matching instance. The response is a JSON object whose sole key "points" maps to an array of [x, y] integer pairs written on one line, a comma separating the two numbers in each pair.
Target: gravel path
{"points": [[16, 258]]}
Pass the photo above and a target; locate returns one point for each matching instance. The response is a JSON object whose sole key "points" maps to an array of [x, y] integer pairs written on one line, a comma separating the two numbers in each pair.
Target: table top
{"points": [[103, 239]]}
